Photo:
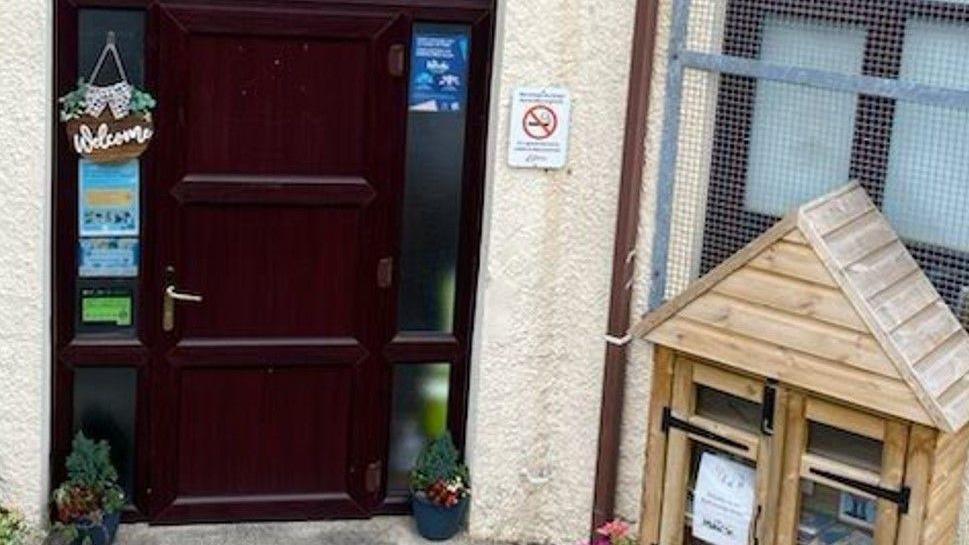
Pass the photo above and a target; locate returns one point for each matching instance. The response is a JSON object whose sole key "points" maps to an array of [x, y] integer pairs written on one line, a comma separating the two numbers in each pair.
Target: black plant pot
{"points": [[438, 523], [100, 533]]}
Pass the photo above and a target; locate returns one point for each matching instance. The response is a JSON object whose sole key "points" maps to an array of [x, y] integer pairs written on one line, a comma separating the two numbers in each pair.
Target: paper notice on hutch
{"points": [[723, 501]]}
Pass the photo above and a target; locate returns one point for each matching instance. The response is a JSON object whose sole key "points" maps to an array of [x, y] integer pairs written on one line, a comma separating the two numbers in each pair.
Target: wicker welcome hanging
{"points": [[110, 123]]}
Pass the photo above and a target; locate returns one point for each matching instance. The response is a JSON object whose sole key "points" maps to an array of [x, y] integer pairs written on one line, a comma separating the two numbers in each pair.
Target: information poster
{"points": [[107, 257], [723, 501], [439, 71], [108, 198], [107, 306]]}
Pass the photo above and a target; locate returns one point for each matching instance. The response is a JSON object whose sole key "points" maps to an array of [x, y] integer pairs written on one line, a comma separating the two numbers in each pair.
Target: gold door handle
{"points": [[178, 296], [168, 313]]}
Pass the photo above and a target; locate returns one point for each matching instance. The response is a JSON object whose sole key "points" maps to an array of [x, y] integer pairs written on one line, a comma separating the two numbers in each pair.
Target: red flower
{"points": [[616, 529]]}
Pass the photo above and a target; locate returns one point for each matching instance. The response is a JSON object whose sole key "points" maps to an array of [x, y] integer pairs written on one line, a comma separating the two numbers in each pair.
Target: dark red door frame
{"points": [[623, 262], [71, 353]]}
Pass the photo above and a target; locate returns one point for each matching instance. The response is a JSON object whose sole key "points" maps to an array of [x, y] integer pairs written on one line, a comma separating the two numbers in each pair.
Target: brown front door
{"points": [[279, 167]]}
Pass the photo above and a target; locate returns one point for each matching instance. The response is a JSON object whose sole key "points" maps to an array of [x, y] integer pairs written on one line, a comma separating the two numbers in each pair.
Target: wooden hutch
{"points": [[822, 359]]}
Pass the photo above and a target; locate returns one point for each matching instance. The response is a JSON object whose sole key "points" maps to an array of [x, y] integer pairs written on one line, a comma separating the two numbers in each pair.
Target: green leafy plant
{"points": [[439, 475], [91, 490], [13, 528], [141, 101], [73, 103]]}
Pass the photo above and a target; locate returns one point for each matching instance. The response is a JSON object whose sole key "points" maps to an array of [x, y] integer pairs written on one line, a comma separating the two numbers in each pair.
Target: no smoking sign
{"points": [[540, 122], [539, 128]]}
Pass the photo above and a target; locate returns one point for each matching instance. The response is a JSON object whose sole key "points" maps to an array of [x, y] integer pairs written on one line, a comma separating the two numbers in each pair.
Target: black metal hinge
{"points": [[767, 408], [396, 59], [899, 497], [373, 477], [385, 272], [670, 421]]}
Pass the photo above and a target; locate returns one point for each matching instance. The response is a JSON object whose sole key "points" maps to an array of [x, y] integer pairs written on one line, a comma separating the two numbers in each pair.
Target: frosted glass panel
{"points": [[925, 197], [432, 205], [801, 137], [419, 413], [104, 408]]}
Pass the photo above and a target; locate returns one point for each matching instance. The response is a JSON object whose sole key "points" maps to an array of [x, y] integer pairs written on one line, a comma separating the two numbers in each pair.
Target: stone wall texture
{"points": [[25, 90], [545, 277]]}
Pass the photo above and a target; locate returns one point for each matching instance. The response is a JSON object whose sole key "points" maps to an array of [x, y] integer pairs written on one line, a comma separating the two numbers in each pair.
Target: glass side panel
{"points": [[801, 131], [728, 409], [925, 197], [435, 172], [845, 447], [104, 408], [830, 516], [129, 28], [421, 394]]}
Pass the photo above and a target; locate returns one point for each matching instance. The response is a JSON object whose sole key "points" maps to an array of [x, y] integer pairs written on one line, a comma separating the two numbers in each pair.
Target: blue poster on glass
{"points": [[108, 198], [439, 71], [107, 257]]}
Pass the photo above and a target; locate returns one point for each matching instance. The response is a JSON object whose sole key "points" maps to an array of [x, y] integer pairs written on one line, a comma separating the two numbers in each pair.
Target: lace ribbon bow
{"points": [[115, 97]]}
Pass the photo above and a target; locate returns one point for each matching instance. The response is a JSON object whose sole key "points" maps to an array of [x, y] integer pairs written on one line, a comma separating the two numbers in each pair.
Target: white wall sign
{"points": [[723, 501], [540, 119]]}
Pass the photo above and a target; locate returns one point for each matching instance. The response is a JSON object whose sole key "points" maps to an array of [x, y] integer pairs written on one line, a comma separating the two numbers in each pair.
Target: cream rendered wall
{"points": [[25, 94], [688, 213], [545, 280]]}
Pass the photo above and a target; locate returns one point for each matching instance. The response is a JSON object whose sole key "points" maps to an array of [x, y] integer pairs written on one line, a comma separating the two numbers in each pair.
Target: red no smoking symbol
{"points": [[540, 122]]}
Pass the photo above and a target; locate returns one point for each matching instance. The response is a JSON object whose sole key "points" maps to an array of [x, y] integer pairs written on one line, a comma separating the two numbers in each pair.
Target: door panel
{"points": [[279, 178], [269, 111], [284, 271], [251, 411]]}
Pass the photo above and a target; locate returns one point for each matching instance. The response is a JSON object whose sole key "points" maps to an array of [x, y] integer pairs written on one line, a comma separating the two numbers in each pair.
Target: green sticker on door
{"points": [[109, 307]]}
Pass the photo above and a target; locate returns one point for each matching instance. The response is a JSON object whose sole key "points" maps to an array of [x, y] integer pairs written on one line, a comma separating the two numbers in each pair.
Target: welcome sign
{"points": [[108, 123], [106, 139]]}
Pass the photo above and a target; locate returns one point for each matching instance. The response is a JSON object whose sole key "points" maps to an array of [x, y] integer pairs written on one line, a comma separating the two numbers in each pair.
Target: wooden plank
{"points": [[945, 365], [921, 444], [853, 386], [727, 381], [803, 334], [866, 279], [795, 237], [793, 296], [771, 464], [925, 331], [795, 261], [859, 237], [795, 445], [902, 300], [880, 270], [820, 463], [838, 208], [839, 416], [749, 440], [703, 285], [677, 458], [955, 402], [894, 449], [944, 502], [660, 396]]}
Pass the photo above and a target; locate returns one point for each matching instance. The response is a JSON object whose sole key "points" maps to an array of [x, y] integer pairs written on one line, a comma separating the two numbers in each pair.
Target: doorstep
{"points": [[392, 530]]}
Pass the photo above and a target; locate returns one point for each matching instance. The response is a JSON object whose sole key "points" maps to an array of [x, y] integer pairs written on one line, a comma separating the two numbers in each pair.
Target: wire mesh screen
{"points": [[780, 101]]}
